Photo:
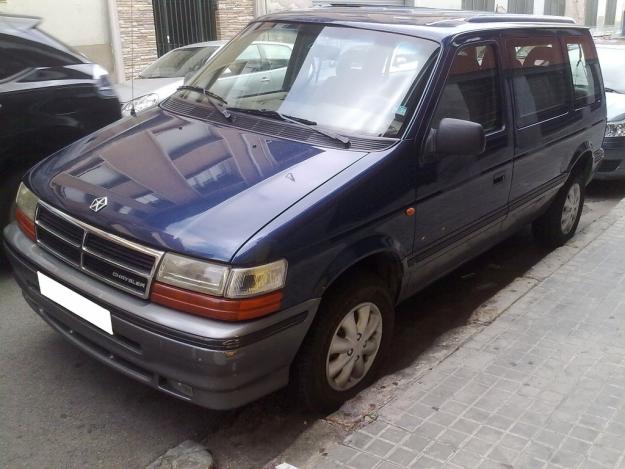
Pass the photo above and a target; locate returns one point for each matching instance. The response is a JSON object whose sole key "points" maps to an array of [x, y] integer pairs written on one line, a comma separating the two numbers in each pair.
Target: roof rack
{"points": [[507, 18]]}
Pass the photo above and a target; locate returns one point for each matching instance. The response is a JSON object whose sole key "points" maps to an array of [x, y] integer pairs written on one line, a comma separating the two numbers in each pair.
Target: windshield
{"points": [[612, 61], [179, 62], [351, 80]]}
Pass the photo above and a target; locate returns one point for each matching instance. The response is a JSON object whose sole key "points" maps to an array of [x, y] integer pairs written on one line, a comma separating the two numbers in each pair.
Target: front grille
{"points": [[118, 262]]}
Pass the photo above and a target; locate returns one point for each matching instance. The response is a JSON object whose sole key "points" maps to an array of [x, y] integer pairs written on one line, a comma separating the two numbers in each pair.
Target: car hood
{"points": [[184, 185], [616, 106], [163, 87]]}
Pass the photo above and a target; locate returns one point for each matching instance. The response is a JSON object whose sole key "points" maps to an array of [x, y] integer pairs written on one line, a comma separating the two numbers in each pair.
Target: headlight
{"points": [[615, 129], [25, 208], [104, 85], [26, 201], [140, 104], [191, 274], [220, 280]]}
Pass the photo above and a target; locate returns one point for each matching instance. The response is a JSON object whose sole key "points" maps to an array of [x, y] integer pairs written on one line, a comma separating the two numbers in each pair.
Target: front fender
{"points": [[357, 253]]}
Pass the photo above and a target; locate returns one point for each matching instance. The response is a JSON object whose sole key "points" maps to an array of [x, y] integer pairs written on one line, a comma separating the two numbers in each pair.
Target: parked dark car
{"points": [[612, 59], [218, 247], [50, 96]]}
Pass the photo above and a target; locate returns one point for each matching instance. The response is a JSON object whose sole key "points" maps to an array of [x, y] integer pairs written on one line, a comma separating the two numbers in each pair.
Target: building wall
{"points": [[232, 16], [82, 24], [137, 35]]}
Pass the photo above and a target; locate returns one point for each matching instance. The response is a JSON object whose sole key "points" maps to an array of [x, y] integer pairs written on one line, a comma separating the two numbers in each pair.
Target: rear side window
{"points": [[472, 89], [584, 71], [540, 82], [18, 54]]}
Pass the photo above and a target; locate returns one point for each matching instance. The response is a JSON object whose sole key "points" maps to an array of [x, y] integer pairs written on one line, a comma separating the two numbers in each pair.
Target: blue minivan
{"points": [[260, 225]]}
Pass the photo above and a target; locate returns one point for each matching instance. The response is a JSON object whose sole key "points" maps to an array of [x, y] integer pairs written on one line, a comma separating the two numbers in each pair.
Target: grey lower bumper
{"points": [[613, 164], [214, 364]]}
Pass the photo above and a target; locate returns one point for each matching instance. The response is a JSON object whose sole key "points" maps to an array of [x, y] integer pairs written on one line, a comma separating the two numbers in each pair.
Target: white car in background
{"points": [[160, 79]]}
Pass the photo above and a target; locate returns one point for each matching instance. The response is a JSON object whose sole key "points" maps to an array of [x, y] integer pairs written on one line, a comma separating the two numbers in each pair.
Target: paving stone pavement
{"points": [[543, 386]]}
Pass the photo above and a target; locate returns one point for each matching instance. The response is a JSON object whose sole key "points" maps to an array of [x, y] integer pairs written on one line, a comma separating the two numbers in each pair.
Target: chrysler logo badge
{"points": [[98, 204]]}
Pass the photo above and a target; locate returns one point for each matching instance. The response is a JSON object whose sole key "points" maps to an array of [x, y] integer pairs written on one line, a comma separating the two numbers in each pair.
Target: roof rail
{"points": [[506, 18], [358, 5]]}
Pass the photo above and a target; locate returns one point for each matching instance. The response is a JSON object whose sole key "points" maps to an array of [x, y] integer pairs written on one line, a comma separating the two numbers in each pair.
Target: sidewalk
{"points": [[541, 386]]}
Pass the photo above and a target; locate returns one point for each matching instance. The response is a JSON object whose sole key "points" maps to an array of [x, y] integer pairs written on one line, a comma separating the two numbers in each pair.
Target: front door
{"points": [[462, 200]]}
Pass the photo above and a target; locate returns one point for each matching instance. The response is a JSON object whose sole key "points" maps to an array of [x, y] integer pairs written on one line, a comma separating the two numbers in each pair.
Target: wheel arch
{"points": [[379, 256], [582, 161]]}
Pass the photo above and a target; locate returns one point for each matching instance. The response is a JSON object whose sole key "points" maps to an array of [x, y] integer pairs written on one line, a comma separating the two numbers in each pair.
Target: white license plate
{"points": [[77, 304]]}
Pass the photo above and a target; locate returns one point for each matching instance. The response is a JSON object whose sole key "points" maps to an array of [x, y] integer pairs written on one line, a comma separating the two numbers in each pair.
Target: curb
{"points": [[364, 408]]}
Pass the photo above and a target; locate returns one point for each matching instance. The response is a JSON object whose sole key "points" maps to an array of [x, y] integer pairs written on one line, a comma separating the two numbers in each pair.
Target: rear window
{"points": [[584, 70], [540, 81], [34, 49]]}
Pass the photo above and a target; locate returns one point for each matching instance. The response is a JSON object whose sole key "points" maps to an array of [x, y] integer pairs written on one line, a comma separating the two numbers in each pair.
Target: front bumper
{"points": [[214, 364], [613, 164]]}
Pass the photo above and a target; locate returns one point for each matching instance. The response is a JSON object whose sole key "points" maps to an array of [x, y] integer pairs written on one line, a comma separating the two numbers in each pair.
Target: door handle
{"points": [[264, 79], [499, 178]]}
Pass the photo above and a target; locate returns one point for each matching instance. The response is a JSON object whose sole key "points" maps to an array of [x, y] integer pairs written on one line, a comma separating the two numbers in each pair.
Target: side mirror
{"points": [[457, 137]]}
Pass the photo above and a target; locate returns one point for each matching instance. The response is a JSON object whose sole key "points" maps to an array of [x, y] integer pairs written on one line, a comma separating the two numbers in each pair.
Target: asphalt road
{"points": [[60, 408]]}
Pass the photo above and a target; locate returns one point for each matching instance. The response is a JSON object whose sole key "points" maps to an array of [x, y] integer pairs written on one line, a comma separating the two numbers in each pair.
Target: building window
{"points": [[555, 7], [521, 6], [479, 5], [590, 16], [610, 13]]}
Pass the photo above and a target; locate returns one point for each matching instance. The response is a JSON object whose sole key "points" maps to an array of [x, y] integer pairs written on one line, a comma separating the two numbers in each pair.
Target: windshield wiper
{"points": [[611, 90], [299, 121], [217, 101]]}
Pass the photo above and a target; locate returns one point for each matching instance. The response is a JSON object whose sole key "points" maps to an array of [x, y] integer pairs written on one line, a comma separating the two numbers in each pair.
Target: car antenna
{"points": [[133, 113]]}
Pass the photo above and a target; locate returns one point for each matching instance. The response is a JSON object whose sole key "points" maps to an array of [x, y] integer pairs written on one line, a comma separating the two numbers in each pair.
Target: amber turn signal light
{"points": [[26, 224], [224, 309]]}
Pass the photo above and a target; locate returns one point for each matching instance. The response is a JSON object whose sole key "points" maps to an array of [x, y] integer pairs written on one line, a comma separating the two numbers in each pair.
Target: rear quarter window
{"points": [[584, 66]]}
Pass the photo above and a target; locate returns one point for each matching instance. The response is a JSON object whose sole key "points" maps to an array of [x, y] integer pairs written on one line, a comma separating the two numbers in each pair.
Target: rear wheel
{"points": [[558, 224], [346, 345]]}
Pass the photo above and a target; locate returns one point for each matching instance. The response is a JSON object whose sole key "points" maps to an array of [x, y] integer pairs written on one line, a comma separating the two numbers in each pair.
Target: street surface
{"points": [[60, 408]]}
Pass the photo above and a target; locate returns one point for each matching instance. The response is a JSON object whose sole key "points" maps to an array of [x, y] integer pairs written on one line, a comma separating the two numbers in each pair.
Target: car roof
{"points": [[10, 23], [422, 22], [25, 27]]}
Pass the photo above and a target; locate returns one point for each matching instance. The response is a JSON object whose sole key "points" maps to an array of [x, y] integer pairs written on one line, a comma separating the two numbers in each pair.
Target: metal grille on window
{"points": [[478, 5], [555, 7], [610, 13], [182, 22], [521, 6]]}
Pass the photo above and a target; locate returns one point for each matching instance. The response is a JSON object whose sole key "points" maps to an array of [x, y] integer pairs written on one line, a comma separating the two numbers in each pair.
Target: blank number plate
{"points": [[77, 304]]}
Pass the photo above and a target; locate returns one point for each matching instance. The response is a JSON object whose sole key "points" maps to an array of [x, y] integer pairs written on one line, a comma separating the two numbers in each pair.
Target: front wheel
{"points": [[558, 224], [346, 345]]}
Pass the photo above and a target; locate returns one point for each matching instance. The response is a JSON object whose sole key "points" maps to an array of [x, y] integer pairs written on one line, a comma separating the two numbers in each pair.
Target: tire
{"points": [[559, 223], [314, 362]]}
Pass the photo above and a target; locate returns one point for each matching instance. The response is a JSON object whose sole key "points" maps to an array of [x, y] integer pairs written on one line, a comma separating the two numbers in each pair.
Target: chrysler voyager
{"points": [[257, 229]]}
